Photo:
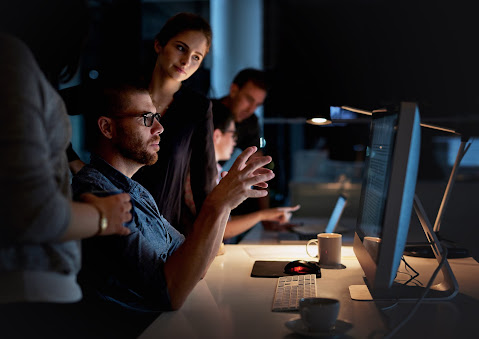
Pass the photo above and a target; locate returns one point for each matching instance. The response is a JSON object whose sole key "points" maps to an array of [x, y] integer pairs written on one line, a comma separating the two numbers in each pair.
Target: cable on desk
{"points": [[390, 306], [412, 277], [418, 302]]}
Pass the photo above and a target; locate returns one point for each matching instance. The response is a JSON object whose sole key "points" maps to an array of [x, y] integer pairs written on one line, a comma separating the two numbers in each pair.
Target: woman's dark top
{"points": [[186, 144]]}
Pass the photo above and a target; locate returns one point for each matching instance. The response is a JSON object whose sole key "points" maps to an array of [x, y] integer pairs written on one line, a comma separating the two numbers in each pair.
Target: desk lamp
{"points": [[424, 249]]}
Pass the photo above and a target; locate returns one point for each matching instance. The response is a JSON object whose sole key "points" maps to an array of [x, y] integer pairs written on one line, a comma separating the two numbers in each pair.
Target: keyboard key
{"points": [[290, 289]]}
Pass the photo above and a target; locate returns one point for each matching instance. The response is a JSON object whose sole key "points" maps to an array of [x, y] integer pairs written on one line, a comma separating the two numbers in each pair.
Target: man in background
{"points": [[247, 92], [224, 141]]}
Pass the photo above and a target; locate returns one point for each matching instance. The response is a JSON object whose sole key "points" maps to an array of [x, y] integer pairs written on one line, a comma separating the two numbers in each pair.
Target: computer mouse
{"points": [[302, 267]]}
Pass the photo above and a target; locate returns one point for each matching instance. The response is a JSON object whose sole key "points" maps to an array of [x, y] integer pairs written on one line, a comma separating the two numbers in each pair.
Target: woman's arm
{"points": [[240, 223]]}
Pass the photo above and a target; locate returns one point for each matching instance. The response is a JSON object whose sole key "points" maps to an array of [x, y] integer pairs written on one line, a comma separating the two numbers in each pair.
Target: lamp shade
{"points": [[321, 116], [318, 121], [339, 116]]}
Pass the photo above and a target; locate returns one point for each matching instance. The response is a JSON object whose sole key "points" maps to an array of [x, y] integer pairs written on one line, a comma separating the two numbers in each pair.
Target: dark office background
{"points": [[320, 53], [364, 54], [326, 52], [370, 54]]}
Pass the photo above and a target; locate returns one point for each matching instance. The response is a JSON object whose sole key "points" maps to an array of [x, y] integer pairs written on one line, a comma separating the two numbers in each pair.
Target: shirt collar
{"points": [[116, 177]]}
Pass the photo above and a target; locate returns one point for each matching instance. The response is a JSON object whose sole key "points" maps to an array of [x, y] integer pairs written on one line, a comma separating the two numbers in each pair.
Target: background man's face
{"points": [[245, 100]]}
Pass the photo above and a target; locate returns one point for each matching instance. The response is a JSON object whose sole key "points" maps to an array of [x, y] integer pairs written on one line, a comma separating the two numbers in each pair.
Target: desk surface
{"points": [[229, 303]]}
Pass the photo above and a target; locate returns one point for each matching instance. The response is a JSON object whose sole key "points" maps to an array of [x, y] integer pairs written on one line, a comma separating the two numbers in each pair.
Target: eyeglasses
{"points": [[234, 133], [147, 117]]}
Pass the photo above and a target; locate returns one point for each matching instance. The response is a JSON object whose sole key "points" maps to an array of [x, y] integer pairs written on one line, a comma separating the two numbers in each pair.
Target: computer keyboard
{"points": [[290, 289]]}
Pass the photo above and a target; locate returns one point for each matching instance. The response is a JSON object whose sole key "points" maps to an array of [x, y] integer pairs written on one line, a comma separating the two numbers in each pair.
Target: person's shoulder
{"points": [[22, 81], [192, 97], [217, 102], [252, 120], [87, 175], [11, 42], [90, 180], [192, 104], [15, 54], [218, 106], [84, 172]]}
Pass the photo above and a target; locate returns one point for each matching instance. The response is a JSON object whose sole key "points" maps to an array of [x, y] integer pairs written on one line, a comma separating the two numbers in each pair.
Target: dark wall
{"points": [[370, 53], [114, 46]]}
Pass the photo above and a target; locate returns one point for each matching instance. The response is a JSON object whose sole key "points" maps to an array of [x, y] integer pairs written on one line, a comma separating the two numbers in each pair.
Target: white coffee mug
{"points": [[319, 314], [329, 248]]}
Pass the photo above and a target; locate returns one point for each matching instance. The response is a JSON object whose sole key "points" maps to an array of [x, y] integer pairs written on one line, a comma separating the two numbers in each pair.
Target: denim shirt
{"points": [[128, 269]]}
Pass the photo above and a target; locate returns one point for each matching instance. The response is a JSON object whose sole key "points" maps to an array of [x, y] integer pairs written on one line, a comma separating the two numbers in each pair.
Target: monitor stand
{"points": [[424, 250], [453, 250], [445, 290]]}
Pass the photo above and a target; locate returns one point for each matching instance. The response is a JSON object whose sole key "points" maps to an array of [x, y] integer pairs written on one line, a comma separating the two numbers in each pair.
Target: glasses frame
{"points": [[235, 134], [148, 117]]}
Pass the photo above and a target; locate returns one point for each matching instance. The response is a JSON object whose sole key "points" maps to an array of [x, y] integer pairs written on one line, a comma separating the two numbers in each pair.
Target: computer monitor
{"points": [[386, 203], [336, 215], [308, 230], [388, 188]]}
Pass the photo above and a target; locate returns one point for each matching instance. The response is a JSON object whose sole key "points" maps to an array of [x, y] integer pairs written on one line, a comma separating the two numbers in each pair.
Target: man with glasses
{"points": [[155, 267]]}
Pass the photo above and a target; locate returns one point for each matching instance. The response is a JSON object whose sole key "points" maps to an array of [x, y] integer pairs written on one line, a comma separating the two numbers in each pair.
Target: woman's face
{"points": [[182, 55]]}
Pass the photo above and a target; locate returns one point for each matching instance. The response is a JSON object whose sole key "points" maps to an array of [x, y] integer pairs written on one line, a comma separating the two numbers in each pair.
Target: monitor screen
{"points": [[336, 215], [378, 173], [387, 194]]}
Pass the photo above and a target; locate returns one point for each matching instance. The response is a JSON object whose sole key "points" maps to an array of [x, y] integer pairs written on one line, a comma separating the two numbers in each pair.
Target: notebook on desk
{"points": [[310, 229]]}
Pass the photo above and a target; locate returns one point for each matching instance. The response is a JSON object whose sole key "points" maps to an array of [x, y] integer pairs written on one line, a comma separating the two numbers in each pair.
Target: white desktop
{"points": [[229, 303]]}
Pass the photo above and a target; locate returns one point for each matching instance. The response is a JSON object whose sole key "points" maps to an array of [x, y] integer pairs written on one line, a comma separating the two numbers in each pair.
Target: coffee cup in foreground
{"points": [[319, 314], [329, 248]]}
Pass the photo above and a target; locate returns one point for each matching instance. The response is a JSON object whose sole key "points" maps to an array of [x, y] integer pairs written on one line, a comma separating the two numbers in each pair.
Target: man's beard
{"points": [[132, 147]]}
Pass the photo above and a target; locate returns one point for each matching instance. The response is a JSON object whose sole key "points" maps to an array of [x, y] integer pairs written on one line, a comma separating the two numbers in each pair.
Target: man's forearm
{"points": [[187, 265]]}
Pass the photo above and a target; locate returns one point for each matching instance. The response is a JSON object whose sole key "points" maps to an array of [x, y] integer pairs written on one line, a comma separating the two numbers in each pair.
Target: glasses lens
{"points": [[148, 118]]}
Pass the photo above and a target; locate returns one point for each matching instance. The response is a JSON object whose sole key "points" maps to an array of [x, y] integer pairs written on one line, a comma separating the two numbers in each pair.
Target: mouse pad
{"points": [[269, 269]]}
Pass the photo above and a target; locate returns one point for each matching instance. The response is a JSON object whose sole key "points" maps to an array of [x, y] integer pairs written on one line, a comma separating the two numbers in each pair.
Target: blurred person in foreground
{"points": [[40, 45]]}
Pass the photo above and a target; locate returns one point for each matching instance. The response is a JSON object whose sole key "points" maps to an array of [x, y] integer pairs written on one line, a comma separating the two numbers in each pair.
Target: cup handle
{"points": [[307, 247]]}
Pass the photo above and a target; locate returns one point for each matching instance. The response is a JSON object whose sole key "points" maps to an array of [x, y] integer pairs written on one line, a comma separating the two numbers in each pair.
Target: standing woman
{"points": [[181, 181]]}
